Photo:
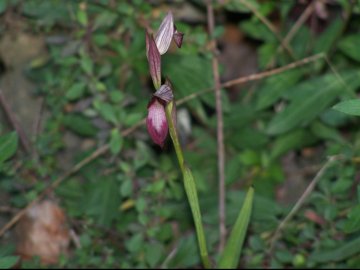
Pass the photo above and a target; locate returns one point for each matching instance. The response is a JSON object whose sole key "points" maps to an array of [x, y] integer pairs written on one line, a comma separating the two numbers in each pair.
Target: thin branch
{"points": [[220, 127], [270, 26], [25, 143], [290, 35], [257, 76], [301, 200], [302, 19]]}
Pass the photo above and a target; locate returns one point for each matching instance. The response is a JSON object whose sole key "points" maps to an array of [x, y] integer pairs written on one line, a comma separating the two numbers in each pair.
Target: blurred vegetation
{"points": [[128, 207]]}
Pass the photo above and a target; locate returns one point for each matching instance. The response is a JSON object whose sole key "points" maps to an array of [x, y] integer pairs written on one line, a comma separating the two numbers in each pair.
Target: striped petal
{"points": [[156, 123], [165, 34]]}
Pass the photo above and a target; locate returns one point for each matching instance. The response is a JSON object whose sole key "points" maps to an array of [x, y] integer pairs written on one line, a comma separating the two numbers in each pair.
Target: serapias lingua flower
{"points": [[156, 122]]}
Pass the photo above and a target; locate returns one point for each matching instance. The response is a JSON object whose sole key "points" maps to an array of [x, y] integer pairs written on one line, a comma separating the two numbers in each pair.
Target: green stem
{"points": [[174, 135], [190, 187]]}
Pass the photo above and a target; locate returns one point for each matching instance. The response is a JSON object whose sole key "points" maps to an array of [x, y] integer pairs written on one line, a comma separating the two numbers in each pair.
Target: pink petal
{"points": [[156, 122], [165, 34]]}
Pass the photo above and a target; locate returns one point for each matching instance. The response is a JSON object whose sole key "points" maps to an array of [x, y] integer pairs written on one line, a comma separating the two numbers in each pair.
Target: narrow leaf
{"points": [[340, 253], [8, 145], [191, 193], [116, 141], [231, 254], [351, 107], [309, 99], [350, 46]]}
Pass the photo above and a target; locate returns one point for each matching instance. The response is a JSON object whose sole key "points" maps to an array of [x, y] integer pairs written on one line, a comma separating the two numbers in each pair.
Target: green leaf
{"points": [[292, 140], [3, 6], [190, 74], [257, 30], [8, 145], [103, 200], [275, 86], [106, 110], [8, 262], [353, 222], [76, 91], [340, 253], [309, 99], [82, 17], [153, 253], [231, 254], [351, 107], [328, 37], [87, 65], [80, 125], [191, 193], [350, 46], [326, 132], [116, 141], [236, 6]]}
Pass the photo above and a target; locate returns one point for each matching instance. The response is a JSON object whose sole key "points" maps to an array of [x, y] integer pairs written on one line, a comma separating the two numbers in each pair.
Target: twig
{"points": [[301, 200], [220, 127], [290, 35], [171, 255], [302, 19], [255, 77], [270, 26], [25, 143]]}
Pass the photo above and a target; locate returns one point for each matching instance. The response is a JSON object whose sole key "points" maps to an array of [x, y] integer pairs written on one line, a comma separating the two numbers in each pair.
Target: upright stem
{"points": [[220, 130], [190, 187], [174, 136]]}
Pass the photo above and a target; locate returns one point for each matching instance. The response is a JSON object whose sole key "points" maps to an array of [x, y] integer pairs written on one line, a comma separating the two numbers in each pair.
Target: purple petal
{"points": [[154, 60], [165, 34], [156, 122], [178, 38], [164, 93]]}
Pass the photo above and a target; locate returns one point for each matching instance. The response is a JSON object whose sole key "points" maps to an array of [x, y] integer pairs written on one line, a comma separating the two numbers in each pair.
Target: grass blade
{"points": [[230, 257], [191, 192]]}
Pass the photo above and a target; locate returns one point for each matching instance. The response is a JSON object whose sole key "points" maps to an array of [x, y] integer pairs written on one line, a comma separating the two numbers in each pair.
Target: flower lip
{"points": [[156, 122], [164, 93]]}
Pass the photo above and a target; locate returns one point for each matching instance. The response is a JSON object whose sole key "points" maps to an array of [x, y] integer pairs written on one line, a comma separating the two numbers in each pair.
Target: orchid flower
{"points": [[156, 120]]}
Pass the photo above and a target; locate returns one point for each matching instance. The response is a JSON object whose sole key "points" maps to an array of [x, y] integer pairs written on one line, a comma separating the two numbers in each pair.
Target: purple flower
{"points": [[156, 121]]}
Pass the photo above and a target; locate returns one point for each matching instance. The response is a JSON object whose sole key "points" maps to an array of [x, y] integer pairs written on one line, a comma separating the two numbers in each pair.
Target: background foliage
{"points": [[128, 206]]}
